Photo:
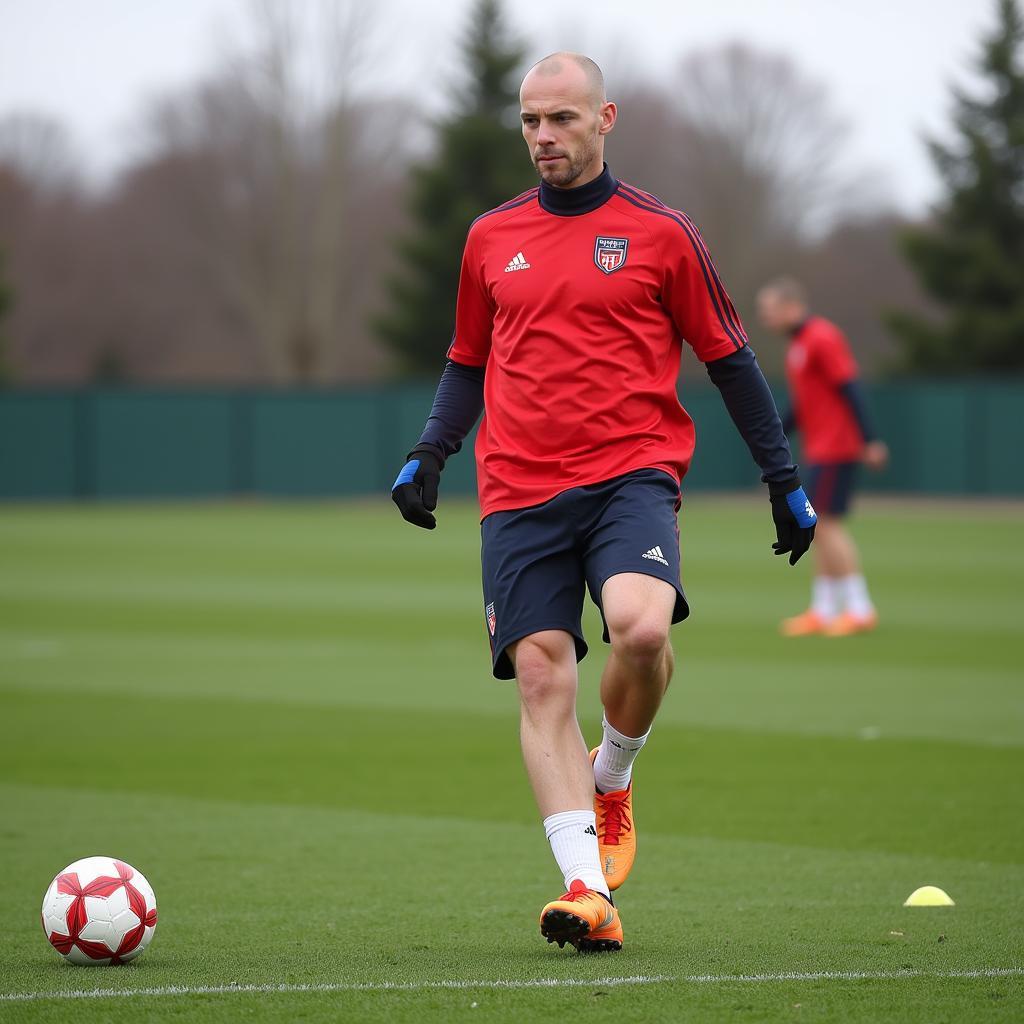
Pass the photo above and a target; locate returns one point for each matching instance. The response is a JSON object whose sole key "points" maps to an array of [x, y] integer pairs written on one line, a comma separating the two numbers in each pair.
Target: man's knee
{"points": [[670, 664], [545, 665], [640, 638]]}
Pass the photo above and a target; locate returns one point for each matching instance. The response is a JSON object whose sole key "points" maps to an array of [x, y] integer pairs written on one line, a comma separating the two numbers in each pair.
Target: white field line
{"points": [[509, 983]]}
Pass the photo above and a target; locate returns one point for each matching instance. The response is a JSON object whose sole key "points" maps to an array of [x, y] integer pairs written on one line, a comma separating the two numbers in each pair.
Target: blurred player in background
{"points": [[827, 406], [574, 300]]}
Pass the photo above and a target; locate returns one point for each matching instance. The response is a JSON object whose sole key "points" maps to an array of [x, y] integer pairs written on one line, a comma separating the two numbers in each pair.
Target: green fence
{"points": [[946, 438]]}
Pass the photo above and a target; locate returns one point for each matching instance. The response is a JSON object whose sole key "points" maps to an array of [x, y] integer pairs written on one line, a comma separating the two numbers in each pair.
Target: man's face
{"points": [[564, 128], [777, 314]]}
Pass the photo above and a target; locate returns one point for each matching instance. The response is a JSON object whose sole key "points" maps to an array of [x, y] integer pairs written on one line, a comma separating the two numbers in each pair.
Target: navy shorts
{"points": [[830, 486], [538, 562]]}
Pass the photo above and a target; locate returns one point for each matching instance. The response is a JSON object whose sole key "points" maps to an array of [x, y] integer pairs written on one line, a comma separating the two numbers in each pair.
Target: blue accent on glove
{"points": [[800, 506], [408, 472]]}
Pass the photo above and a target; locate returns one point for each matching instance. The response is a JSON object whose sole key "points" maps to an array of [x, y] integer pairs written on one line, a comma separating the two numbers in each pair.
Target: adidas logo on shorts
{"points": [[656, 554]]}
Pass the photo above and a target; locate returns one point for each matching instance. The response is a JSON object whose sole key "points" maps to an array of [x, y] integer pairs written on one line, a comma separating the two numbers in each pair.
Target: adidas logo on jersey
{"points": [[656, 554], [518, 262]]}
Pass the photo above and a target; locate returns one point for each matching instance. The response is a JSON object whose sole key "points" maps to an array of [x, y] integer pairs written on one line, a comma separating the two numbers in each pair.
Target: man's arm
{"points": [[752, 408], [458, 402], [835, 360], [459, 399], [705, 316], [789, 420], [853, 393], [876, 453]]}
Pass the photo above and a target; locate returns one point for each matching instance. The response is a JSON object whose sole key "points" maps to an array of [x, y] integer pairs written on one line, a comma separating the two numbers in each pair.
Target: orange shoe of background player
{"points": [[808, 623], [848, 624], [616, 839], [584, 918]]}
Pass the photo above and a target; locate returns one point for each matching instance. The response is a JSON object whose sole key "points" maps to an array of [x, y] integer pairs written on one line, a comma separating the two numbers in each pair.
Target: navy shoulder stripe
{"points": [[733, 328], [707, 264], [520, 200], [727, 315], [641, 194], [726, 301]]}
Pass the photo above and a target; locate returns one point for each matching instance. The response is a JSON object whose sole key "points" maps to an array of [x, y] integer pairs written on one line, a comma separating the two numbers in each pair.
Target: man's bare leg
{"points": [[840, 592], [837, 580], [835, 554], [638, 610], [555, 755], [553, 748]]}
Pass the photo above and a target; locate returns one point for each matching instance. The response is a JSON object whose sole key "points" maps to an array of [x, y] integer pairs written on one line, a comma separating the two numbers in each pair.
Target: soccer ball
{"points": [[99, 911]]}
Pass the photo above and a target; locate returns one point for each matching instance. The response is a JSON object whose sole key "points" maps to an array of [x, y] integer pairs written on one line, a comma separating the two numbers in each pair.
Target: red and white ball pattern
{"points": [[99, 911]]}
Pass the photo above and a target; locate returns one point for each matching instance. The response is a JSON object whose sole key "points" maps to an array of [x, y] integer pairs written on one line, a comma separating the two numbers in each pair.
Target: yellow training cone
{"points": [[928, 896]]}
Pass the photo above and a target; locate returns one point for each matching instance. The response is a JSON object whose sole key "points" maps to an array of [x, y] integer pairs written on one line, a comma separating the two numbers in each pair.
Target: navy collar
{"points": [[571, 202], [795, 332]]}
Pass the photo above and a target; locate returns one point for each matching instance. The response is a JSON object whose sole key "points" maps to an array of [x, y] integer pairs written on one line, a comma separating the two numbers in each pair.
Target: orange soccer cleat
{"points": [[616, 839], [808, 623], [848, 624], [584, 918]]}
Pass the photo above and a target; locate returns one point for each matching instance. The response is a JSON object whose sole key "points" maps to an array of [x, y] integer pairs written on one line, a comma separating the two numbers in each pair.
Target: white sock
{"points": [[573, 839], [613, 766], [855, 595], [825, 596]]}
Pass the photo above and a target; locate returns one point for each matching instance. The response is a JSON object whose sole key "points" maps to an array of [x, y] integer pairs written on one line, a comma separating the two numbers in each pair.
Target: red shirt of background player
{"points": [[579, 321], [818, 364]]}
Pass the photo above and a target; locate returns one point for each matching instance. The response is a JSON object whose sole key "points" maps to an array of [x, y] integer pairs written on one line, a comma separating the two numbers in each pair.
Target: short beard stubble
{"points": [[577, 165]]}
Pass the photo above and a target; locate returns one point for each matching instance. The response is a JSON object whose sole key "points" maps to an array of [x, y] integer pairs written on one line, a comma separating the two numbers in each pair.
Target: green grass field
{"points": [[283, 715]]}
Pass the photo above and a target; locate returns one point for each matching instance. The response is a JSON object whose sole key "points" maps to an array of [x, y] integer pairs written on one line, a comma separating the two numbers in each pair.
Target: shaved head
{"points": [[788, 289], [782, 304], [565, 118], [565, 63]]}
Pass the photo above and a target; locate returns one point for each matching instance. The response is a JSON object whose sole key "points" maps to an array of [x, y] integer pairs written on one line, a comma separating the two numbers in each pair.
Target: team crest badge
{"points": [[492, 620], [610, 253]]}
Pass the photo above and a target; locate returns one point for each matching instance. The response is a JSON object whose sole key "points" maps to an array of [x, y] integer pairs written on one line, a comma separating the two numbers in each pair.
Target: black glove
{"points": [[415, 490], [794, 518]]}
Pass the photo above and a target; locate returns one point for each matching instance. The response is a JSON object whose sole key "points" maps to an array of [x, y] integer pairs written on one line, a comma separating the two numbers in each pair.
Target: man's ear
{"points": [[609, 112]]}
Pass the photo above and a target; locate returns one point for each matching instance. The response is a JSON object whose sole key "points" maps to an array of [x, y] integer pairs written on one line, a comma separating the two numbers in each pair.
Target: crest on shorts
{"points": [[492, 621], [610, 253]]}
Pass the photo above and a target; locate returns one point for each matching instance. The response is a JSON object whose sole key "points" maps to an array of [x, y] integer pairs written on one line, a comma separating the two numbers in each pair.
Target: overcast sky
{"points": [[888, 64]]}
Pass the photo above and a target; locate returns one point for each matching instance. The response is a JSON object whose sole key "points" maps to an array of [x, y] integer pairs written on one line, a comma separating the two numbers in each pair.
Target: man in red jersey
{"points": [[828, 409], [574, 302]]}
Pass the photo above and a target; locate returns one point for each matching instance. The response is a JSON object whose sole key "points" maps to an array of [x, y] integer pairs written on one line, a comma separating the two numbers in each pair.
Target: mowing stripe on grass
{"points": [[510, 983]]}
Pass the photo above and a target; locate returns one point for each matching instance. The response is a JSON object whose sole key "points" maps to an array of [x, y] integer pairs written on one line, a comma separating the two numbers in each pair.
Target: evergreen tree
{"points": [[481, 161], [970, 259], [6, 302]]}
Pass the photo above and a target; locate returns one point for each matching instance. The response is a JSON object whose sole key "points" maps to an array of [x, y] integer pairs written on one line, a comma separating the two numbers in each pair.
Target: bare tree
{"points": [[754, 152], [248, 243], [40, 150], [274, 168], [41, 205], [245, 244], [47, 230], [648, 146], [854, 274], [771, 138]]}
